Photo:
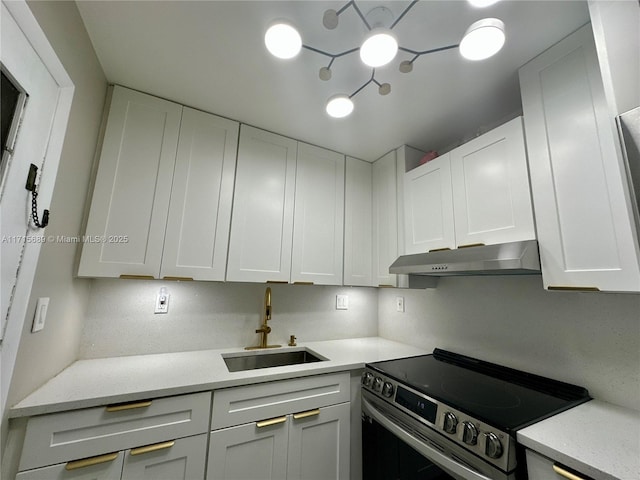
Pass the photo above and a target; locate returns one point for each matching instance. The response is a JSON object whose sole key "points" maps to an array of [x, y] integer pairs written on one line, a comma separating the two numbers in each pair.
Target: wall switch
{"points": [[342, 302], [162, 301], [40, 315], [400, 304]]}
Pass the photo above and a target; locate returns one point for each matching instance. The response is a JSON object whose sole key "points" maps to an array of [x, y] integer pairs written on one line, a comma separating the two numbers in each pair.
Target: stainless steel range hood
{"points": [[515, 258]]}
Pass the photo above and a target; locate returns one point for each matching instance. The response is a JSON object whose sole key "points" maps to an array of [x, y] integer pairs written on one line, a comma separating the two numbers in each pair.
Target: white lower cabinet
{"points": [[542, 468], [157, 439], [290, 429], [181, 459], [104, 467], [307, 445]]}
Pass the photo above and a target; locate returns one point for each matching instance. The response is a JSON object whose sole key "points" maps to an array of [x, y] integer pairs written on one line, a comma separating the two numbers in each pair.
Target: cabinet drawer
{"points": [[106, 468], [238, 405], [65, 436]]}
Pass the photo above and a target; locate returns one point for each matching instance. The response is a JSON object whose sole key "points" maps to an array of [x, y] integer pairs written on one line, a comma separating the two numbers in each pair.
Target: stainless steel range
{"points": [[445, 415]]}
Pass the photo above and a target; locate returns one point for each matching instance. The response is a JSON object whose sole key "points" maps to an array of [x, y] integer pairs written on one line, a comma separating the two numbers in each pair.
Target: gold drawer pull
{"points": [[444, 249], [309, 413], [271, 421], [303, 283], [470, 245], [565, 473], [152, 448], [138, 277], [385, 285], [178, 279], [87, 462], [277, 281], [562, 288], [118, 407]]}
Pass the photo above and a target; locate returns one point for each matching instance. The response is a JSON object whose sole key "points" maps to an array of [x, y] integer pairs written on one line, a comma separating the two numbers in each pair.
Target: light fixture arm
{"points": [[405, 11], [333, 56]]}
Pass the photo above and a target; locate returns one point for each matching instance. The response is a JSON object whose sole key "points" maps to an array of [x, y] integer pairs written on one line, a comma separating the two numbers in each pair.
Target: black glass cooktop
{"points": [[500, 396]]}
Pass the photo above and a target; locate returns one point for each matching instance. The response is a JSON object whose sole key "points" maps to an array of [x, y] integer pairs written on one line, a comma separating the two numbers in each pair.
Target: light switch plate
{"points": [[342, 302], [400, 304], [40, 315]]}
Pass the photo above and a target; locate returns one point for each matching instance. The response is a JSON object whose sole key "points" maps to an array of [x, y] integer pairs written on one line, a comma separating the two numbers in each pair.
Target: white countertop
{"points": [[96, 382], [598, 439]]}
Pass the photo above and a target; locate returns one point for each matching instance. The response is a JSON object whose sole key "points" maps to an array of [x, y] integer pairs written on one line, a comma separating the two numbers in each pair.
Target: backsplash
{"points": [[204, 315], [590, 339]]}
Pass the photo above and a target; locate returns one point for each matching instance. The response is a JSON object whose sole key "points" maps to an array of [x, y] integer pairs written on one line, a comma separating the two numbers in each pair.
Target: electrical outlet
{"points": [[162, 301], [342, 302], [41, 314], [400, 304]]}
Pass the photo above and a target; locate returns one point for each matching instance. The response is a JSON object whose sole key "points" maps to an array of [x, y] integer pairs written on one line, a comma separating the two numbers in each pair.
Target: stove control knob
{"points": [[492, 445], [469, 433], [367, 379], [377, 384], [450, 423], [387, 389]]}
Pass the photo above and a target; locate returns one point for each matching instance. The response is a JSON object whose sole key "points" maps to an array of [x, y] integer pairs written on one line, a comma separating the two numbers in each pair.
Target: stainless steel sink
{"points": [[254, 360]]}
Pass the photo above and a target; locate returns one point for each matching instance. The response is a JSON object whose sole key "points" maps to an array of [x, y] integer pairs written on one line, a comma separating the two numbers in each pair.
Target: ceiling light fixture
{"points": [[482, 39], [283, 40]]}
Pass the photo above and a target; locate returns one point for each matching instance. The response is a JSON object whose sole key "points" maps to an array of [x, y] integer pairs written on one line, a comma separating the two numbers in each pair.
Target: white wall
{"points": [[43, 354], [590, 339], [204, 315]]}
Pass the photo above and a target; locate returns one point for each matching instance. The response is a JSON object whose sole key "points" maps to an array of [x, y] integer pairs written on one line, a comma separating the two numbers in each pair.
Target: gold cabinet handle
{"points": [[439, 249], [271, 421], [565, 473], [152, 448], [385, 285], [277, 281], [137, 277], [178, 279], [118, 407], [87, 462], [471, 245], [572, 289], [309, 413], [303, 283]]}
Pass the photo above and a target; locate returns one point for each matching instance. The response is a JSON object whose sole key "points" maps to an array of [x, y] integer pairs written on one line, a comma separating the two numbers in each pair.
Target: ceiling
{"points": [[210, 55]]}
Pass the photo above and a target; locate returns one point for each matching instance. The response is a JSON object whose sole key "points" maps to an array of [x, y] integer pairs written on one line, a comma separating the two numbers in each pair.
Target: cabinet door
{"points": [[248, 452], [128, 213], [319, 444], [491, 194], [181, 459], [102, 467], [262, 221], [358, 233], [580, 195], [385, 219], [428, 206], [318, 225], [199, 219]]}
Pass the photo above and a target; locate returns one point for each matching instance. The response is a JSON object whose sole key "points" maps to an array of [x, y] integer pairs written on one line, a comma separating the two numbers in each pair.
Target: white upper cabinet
{"points": [[580, 195], [262, 223], [162, 200], [128, 215], [358, 233], [491, 194], [199, 218], [318, 224], [476, 194], [428, 206], [385, 219]]}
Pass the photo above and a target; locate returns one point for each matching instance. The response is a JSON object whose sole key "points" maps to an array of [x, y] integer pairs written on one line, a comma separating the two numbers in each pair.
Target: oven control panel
{"points": [[482, 439]]}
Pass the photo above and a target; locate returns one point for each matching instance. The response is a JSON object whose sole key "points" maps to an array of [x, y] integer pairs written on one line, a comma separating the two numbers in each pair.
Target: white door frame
{"points": [[23, 16]]}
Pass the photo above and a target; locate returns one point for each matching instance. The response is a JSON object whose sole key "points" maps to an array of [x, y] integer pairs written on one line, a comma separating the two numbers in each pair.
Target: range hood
{"points": [[514, 258]]}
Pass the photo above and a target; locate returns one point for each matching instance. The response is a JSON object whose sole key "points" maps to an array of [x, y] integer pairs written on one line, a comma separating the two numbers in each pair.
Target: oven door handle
{"points": [[449, 465]]}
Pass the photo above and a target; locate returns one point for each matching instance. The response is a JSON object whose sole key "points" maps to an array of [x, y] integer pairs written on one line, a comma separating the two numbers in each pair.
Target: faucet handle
{"points": [[292, 341]]}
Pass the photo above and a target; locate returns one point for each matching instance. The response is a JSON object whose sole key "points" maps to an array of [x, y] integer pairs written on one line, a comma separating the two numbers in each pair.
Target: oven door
{"points": [[395, 446]]}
